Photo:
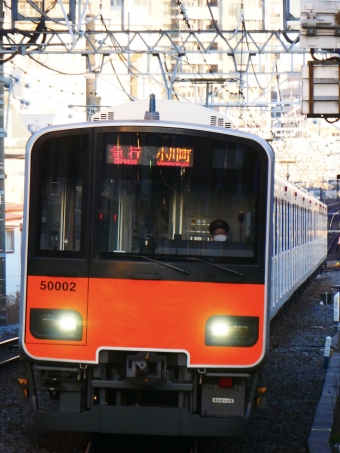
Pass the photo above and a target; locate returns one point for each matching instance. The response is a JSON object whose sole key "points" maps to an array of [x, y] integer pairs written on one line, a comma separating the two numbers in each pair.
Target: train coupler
{"points": [[146, 368]]}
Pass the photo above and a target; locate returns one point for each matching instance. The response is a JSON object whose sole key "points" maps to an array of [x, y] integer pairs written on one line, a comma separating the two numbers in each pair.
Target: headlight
{"points": [[68, 323], [232, 331], [56, 324]]}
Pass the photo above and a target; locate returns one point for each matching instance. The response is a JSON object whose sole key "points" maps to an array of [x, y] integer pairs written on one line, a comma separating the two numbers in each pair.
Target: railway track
{"points": [[111, 443], [86, 444], [9, 358]]}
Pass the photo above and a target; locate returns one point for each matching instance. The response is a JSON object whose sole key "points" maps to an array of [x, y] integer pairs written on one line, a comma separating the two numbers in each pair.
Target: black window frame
{"points": [[58, 262]]}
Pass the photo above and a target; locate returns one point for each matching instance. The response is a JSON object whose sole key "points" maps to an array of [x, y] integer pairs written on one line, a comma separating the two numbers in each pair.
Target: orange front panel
{"points": [[162, 315], [56, 293]]}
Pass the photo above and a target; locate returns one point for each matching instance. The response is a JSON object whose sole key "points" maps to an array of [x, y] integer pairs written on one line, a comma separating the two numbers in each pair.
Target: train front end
{"points": [[135, 316]]}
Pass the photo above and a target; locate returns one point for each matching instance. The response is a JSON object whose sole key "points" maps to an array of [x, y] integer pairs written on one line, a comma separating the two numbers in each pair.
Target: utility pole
{"points": [[92, 100], [3, 317]]}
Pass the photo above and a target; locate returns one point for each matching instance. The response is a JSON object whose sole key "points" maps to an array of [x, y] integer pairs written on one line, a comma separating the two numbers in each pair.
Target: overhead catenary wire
{"points": [[112, 65], [43, 13], [56, 70], [50, 98], [244, 32], [130, 68], [198, 46], [136, 73], [63, 91], [277, 76], [44, 83]]}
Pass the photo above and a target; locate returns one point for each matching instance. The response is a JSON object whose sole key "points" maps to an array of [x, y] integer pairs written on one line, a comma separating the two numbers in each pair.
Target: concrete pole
{"points": [[122, 15], [3, 317], [92, 100], [264, 14]]}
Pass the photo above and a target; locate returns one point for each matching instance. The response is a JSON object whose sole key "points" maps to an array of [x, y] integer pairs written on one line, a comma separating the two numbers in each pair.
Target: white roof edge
{"points": [[169, 110]]}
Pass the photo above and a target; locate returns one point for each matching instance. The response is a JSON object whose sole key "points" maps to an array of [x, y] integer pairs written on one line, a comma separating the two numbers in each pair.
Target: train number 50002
{"points": [[57, 286]]}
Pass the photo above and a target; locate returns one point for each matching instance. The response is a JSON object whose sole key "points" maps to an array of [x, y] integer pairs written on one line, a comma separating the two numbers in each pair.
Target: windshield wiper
{"points": [[163, 264], [216, 265]]}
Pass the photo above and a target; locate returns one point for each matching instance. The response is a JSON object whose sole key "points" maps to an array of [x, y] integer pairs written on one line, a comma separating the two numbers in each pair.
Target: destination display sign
{"points": [[164, 156]]}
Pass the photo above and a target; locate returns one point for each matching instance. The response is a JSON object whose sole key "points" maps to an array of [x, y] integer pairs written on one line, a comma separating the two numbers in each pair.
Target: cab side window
{"points": [[60, 174]]}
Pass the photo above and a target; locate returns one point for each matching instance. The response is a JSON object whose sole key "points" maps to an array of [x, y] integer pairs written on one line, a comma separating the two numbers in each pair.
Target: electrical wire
{"points": [[56, 70], [135, 72], [43, 14], [48, 85], [198, 46], [43, 106], [251, 61], [215, 23], [183, 11], [217, 28], [244, 35], [329, 121], [277, 78], [113, 68], [115, 86], [128, 67], [166, 68], [296, 40]]}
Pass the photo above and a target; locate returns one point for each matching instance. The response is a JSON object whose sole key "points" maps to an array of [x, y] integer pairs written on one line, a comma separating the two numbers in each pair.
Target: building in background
{"points": [[17, 135], [14, 214], [54, 89]]}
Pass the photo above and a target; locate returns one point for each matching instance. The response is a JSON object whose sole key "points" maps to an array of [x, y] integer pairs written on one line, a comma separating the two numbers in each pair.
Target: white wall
{"points": [[13, 261]]}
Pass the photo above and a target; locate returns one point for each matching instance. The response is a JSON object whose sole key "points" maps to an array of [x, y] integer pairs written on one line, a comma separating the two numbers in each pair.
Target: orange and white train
{"points": [[132, 315]]}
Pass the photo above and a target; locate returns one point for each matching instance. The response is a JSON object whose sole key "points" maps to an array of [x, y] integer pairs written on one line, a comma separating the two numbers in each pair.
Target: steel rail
{"points": [[86, 444], [12, 362], [11, 342]]}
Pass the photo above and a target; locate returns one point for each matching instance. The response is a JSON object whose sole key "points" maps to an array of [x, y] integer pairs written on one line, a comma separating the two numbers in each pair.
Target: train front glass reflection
{"points": [[158, 194]]}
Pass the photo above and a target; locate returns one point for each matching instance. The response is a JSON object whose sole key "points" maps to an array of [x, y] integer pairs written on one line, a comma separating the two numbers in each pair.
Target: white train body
{"points": [[299, 240]]}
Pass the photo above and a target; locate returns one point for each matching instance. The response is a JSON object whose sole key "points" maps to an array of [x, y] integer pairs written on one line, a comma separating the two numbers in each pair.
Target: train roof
{"points": [[291, 193], [182, 112]]}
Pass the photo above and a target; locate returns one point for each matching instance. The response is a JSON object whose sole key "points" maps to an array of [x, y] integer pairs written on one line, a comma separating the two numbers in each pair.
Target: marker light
{"points": [[54, 324], [232, 330]]}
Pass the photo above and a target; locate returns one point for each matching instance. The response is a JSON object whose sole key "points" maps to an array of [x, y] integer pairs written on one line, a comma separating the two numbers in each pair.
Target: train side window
{"points": [[57, 198], [275, 227], [288, 225], [283, 217]]}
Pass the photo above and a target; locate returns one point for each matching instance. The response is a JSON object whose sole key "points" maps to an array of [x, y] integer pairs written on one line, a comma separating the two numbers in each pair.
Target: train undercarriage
{"points": [[144, 393]]}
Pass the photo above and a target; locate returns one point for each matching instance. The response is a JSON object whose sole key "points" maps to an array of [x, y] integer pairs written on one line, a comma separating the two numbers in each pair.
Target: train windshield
{"points": [[176, 195]]}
